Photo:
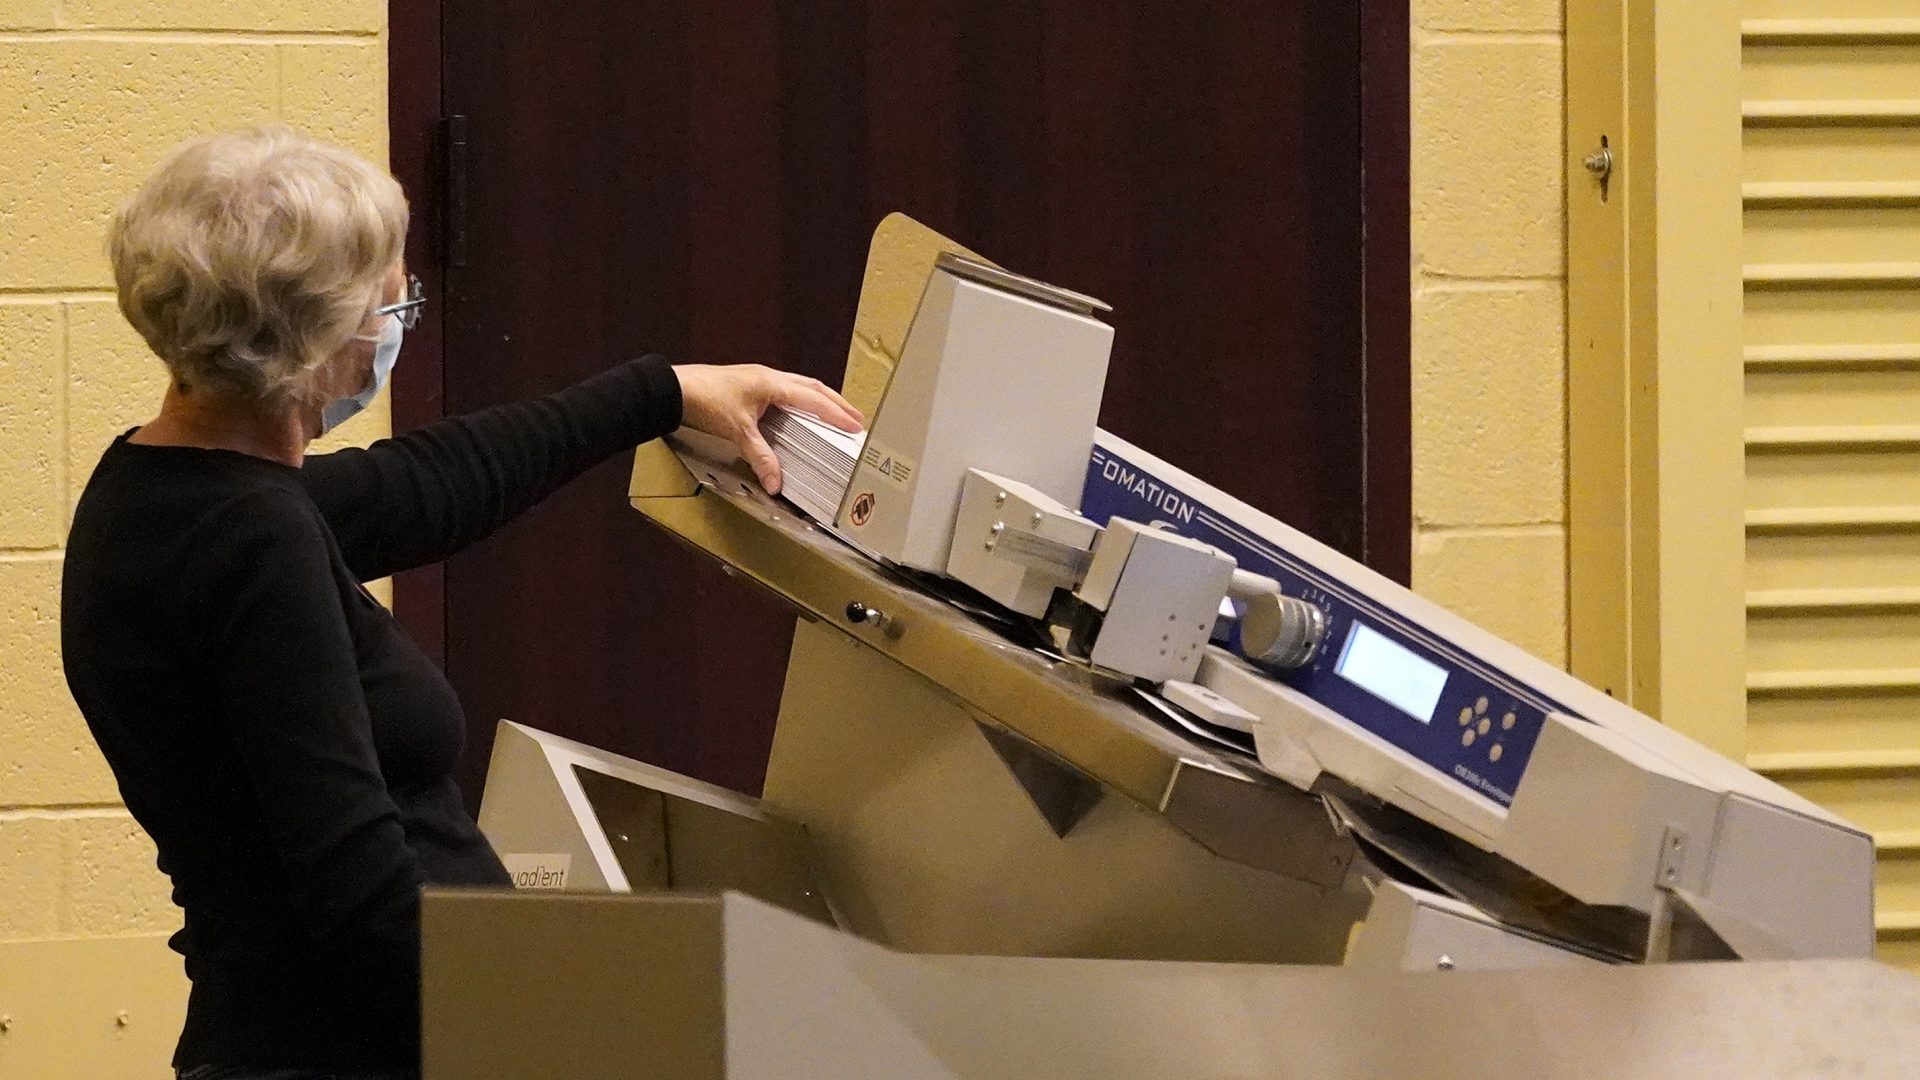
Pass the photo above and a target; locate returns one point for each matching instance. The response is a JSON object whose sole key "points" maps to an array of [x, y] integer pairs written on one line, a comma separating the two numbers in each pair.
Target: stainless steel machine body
{"points": [[532, 986]]}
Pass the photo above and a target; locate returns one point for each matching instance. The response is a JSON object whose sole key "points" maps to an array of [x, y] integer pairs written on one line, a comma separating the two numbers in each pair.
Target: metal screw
{"points": [[1000, 499], [993, 534], [123, 1019], [1599, 163], [6, 1024], [1037, 518], [859, 613], [1445, 963]]}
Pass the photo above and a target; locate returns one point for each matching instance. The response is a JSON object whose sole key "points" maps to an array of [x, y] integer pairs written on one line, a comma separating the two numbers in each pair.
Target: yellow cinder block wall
{"points": [[1489, 315], [92, 92]]}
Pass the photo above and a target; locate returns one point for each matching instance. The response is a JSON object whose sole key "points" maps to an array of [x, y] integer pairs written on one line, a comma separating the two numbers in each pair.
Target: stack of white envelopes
{"points": [[816, 460]]}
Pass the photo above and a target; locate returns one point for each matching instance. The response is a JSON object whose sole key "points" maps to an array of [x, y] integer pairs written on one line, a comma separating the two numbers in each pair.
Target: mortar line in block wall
{"points": [[1432, 281], [23, 555], [1423, 37], [1435, 285], [193, 37], [62, 482], [67, 812], [1539, 528], [52, 294]]}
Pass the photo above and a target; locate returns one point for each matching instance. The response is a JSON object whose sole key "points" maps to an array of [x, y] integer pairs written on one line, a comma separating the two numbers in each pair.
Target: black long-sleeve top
{"points": [[274, 730]]}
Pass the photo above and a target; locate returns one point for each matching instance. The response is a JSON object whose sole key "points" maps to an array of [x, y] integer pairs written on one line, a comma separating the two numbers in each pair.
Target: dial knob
{"points": [[1280, 631]]}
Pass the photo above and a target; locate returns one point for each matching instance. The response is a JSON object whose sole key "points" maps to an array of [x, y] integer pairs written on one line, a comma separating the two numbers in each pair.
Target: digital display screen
{"points": [[1389, 672]]}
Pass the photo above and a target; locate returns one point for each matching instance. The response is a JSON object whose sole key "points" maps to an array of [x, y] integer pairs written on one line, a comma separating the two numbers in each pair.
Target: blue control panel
{"points": [[1424, 695]]}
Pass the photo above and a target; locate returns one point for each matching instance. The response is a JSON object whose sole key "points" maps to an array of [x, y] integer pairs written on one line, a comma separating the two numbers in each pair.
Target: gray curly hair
{"points": [[249, 258]]}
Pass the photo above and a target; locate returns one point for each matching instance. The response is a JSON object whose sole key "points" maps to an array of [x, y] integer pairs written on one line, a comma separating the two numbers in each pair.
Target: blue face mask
{"points": [[386, 351]]}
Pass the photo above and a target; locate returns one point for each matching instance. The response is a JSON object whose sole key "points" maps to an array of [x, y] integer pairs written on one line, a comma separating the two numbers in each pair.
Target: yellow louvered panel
{"points": [[1827, 9], [1815, 638], [1859, 723], [1831, 154], [1796, 232], [1830, 194], [1834, 396], [1900, 945], [1834, 680], [1870, 476], [1875, 75], [1896, 891], [1838, 437], [1882, 803], [1838, 560], [1830, 31], [1804, 317], [1831, 257]]}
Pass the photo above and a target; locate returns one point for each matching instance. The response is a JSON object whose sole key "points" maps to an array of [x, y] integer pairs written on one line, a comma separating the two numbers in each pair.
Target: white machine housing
{"points": [[1612, 807], [1615, 808], [999, 373], [1413, 929], [1159, 594], [998, 516]]}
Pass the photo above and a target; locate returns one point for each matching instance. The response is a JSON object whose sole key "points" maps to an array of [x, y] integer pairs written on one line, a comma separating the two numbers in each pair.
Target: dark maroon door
{"points": [[700, 179]]}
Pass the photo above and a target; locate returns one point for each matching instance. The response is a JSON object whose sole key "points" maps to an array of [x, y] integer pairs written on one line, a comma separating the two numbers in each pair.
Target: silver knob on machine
{"points": [[1281, 632]]}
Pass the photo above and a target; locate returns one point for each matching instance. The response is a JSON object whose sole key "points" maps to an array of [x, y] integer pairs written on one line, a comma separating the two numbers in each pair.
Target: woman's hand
{"points": [[729, 401]]}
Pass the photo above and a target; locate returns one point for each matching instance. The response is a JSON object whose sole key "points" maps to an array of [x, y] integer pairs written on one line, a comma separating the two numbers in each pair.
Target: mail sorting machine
{"points": [[1241, 743]]}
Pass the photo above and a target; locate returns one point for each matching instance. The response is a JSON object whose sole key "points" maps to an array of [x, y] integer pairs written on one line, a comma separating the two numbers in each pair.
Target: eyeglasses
{"points": [[408, 310]]}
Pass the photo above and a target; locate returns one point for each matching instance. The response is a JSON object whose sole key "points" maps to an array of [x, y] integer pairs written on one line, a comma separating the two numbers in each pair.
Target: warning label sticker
{"points": [[894, 467]]}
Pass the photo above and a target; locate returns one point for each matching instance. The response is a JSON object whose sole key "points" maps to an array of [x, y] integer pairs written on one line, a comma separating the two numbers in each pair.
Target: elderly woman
{"points": [[273, 729]]}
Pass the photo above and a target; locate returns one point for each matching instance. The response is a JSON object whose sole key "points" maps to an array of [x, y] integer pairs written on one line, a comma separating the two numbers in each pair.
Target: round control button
{"points": [[1507, 721], [1494, 754], [1466, 737], [1480, 706], [1466, 717], [1486, 725]]}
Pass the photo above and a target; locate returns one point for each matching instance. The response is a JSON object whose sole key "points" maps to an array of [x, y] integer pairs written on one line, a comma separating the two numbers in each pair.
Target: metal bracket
{"points": [[1666, 879], [1062, 794], [1261, 823], [1673, 858], [1061, 561]]}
